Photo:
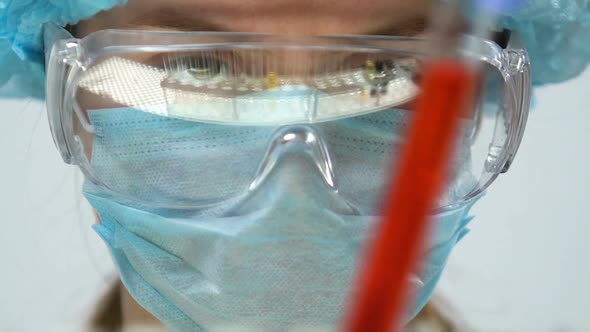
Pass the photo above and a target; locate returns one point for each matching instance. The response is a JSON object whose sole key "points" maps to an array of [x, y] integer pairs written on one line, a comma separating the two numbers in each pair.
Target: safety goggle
{"points": [[353, 94]]}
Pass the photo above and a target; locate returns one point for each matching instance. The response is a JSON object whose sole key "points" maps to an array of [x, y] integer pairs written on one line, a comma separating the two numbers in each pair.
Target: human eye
{"points": [[198, 68]]}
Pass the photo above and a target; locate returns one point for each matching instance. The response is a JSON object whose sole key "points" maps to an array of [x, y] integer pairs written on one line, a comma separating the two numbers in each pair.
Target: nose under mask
{"points": [[169, 162]]}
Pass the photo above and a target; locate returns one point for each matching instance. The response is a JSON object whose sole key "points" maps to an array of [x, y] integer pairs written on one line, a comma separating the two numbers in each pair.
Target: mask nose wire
{"points": [[301, 139]]}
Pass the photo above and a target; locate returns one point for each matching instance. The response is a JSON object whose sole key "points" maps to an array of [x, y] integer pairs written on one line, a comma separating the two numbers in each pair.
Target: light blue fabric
{"points": [[555, 32], [279, 259], [278, 256], [557, 36], [172, 161], [21, 48]]}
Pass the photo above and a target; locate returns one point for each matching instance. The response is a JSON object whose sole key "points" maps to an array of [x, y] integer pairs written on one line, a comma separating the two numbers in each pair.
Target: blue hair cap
{"points": [[556, 33], [21, 48], [557, 37]]}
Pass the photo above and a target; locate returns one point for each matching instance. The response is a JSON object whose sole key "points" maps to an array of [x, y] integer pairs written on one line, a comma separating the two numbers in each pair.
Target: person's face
{"points": [[294, 17], [308, 17]]}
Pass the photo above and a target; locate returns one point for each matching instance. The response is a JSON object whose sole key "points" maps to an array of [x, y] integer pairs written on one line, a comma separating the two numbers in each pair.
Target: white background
{"points": [[524, 267]]}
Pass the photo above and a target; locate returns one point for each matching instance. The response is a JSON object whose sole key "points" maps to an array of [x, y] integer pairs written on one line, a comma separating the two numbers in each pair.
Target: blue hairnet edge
{"points": [[22, 71]]}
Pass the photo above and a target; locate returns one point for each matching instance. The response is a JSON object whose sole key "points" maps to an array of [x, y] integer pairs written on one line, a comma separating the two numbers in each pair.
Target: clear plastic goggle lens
{"points": [[250, 86], [196, 123]]}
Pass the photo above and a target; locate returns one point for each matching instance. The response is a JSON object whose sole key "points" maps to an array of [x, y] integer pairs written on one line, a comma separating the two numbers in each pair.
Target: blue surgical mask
{"points": [[278, 257]]}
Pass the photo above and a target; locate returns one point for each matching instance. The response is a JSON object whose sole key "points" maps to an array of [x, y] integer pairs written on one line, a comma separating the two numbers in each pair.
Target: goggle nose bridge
{"points": [[301, 139]]}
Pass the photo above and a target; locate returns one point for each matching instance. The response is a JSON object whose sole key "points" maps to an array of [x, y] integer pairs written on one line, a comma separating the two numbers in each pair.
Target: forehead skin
{"points": [[307, 17]]}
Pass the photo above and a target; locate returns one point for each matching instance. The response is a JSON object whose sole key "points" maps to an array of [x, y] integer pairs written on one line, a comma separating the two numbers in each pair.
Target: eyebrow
{"points": [[171, 19]]}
